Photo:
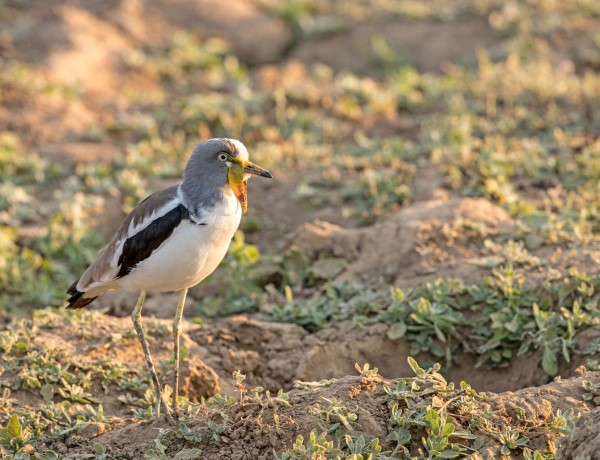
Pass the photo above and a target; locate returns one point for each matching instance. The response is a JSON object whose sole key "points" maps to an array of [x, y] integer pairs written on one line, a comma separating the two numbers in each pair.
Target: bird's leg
{"points": [[136, 317], [176, 336]]}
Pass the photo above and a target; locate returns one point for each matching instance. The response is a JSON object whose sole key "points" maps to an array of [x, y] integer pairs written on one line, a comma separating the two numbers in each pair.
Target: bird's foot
{"points": [[172, 417], [170, 414]]}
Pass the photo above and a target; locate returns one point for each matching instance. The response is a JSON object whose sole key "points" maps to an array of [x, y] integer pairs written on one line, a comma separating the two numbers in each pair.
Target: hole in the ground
{"points": [[273, 355]]}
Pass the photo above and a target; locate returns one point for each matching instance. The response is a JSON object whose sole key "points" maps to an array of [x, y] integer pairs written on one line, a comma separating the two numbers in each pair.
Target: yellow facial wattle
{"points": [[238, 184]]}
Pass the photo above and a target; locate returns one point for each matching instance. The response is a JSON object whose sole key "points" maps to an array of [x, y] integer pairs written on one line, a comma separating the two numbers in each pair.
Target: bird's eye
{"points": [[222, 157]]}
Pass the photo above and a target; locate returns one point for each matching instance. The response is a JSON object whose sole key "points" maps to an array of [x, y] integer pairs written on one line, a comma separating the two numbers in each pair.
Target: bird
{"points": [[172, 240]]}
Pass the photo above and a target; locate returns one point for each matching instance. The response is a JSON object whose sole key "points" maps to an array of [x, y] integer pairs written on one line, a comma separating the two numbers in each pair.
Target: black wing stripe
{"points": [[77, 301], [142, 244], [73, 288]]}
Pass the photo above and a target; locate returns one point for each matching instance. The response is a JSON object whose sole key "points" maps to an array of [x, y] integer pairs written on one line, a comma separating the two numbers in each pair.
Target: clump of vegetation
{"points": [[430, 419], [504, 137]]}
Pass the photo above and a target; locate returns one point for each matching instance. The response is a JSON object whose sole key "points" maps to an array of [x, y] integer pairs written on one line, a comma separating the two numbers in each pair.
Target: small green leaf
{"points": [[156, 453], [512, 326], [396, 331], [478, 443], [47, 392], [448, 429], [549, 361], [418, 370], [448, 454], [328, 268]]}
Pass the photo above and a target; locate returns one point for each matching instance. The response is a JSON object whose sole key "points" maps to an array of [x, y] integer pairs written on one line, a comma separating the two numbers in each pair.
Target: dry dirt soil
{"points": [[82, 42]]}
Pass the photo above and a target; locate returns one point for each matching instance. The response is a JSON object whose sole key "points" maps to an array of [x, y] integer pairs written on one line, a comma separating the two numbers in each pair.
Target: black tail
{"points": [[77, 300]]}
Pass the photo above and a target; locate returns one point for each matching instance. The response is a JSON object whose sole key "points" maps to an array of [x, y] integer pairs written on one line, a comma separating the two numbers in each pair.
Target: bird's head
{"points": [[224, 162]]}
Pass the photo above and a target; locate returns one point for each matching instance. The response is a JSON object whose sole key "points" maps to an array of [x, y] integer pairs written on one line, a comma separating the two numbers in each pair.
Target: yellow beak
{"points": [[251, 168], [238, 178]]}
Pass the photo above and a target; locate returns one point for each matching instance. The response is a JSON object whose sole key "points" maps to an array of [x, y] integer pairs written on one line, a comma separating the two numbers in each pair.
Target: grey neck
{"points": [[199, 201]]}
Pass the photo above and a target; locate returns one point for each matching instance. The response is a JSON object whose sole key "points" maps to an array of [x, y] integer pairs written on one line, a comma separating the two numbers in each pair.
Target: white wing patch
{"points": [[136, 227]]}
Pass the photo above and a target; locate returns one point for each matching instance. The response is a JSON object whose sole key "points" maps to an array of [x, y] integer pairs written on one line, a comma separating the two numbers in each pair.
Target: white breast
{"points": [[190, 254]]}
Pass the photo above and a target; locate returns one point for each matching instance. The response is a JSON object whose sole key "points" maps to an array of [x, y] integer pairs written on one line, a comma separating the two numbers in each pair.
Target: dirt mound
{"points": [[428, 45], [420, 245], [253, 430], [84, 42], [359, 405], [72, 44], [256, 37]]}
